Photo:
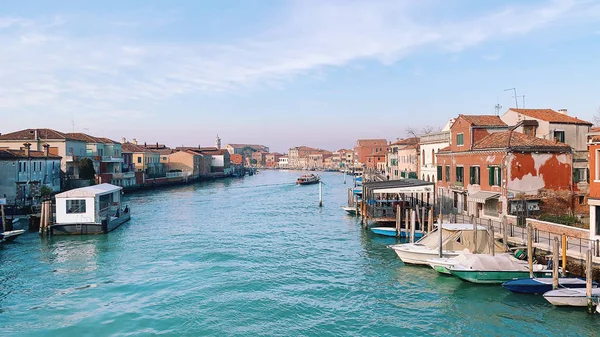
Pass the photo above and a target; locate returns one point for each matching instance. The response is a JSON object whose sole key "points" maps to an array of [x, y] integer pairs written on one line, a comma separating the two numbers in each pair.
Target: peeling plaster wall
{"points": [[530, 172]]}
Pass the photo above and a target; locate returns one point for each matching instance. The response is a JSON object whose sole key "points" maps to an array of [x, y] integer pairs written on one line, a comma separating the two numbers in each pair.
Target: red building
{"points": [[593, 199], [367, 147], [375, 161], [488, 167]]}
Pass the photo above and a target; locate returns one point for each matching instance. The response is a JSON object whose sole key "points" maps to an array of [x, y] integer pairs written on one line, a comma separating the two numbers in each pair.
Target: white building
{"points": [[430, 144], [283, 162]]}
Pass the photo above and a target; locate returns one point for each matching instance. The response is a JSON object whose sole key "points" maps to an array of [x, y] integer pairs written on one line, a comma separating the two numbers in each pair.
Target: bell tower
{"points": [[218, 142]]}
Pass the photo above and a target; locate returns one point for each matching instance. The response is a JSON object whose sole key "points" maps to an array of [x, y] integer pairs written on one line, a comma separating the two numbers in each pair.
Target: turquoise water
{"points": [[249, 257]]}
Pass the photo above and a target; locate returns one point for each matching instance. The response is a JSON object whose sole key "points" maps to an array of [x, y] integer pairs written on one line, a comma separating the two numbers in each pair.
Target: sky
{"points": [[321, 73]]}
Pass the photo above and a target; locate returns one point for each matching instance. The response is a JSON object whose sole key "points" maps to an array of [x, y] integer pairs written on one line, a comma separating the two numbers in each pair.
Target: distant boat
{"points": [[10, 235], [350, 210], [391, 231], [570, 297], [543, 285], [484, 268], [308, 179]]}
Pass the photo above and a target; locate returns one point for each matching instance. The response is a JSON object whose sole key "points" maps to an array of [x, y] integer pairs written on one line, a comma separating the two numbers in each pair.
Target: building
{"points": [[189, 163], [24, 172], [60, 144], [258, 158], [272, 159], [316, 159], [298, 156], [283, 162], [377, 162], [429, 145], [104, 153], [220, 164], [560, 127], [488, 166], [366, 147], [240, 148], [402, 159], [144, 160], [593, 199]]}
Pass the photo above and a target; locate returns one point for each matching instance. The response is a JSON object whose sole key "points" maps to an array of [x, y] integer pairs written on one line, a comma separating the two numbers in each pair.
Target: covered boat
{"points": [[484, 268], [456, 239], [350, 210], [10, 235], [89, 210], [571, 297], [308, 179], [542, 285]]}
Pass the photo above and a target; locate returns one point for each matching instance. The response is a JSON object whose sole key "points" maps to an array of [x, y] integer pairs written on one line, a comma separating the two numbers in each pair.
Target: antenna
{"points": [[515, 91], [497, 107], [522, 96], [73, 124]]}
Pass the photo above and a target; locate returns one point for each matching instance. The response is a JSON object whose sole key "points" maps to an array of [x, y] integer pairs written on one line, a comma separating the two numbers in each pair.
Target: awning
{"points": [[406, 189], [481, 196]]}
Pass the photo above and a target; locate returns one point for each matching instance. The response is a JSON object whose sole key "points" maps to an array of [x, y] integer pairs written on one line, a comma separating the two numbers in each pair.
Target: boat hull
{"points": [[541, 286], [10, 235], [420, 257], [570, 297], [89, 228], [495, 277], [350, 210], [307, 182], [390, 231]]}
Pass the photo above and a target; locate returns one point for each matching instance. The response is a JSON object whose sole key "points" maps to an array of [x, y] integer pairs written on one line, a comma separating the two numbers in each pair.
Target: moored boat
{"points": [[89, 210], [484, 268], [543, 285], [574, 297], [350, 210], [308, 179], [391, 231], [10, 235], [456, 239]]}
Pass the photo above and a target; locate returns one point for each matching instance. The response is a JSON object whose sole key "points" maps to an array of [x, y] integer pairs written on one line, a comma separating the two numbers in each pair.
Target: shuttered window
{"points": [[439, 173], [474, 175]]}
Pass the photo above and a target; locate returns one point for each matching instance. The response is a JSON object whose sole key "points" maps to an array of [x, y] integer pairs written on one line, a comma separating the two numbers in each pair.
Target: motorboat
{"points": [[308, 179], [543, 285], [9, 236], [350, 210], [456, 239], [485, 268], [391, 231], [574, 297]]}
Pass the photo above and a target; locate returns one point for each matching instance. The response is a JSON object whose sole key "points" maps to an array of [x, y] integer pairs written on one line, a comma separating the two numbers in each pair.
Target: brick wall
{"points": [[559, 229]]}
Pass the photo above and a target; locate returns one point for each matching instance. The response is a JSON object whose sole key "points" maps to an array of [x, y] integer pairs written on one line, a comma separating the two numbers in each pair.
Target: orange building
{"points": [[488, 165], [367, 147], [593, 199]]}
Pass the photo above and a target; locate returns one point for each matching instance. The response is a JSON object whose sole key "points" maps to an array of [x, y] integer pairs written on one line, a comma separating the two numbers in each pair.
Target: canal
{"points": [[249, 257]]}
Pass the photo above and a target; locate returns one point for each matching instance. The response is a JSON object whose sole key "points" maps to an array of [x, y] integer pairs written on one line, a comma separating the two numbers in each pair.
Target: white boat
{"points": [[89, 210], [10, 235], [574, 297], [499, 268], [456, 239], [443, 265], [350, 210]]}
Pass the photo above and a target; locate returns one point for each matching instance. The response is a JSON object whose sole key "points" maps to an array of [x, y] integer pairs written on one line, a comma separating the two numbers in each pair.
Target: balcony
{"points": [[580, 156], [110, 159], [123, 175]]}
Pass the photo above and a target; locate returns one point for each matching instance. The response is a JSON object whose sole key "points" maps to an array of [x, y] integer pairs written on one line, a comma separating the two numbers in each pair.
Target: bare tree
{"points": [[412, 132], [597, 118]]}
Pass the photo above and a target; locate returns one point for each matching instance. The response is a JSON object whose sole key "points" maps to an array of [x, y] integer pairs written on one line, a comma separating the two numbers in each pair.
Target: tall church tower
{"points": [[218, 142]]}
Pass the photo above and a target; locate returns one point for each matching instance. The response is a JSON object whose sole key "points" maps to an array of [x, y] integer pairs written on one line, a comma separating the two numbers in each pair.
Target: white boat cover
{"points": [[458, 237]]}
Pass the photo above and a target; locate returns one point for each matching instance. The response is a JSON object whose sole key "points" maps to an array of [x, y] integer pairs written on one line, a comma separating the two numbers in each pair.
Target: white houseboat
{"points": [[89, 210]]}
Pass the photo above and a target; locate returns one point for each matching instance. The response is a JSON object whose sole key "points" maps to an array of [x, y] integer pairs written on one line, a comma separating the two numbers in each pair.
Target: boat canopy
{"points": [[90, 191], [500, 262], [461, 239], [403, 186]]}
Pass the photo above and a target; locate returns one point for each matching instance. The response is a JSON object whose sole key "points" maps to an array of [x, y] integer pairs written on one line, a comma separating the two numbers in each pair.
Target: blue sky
{"points": [[286, 73]]}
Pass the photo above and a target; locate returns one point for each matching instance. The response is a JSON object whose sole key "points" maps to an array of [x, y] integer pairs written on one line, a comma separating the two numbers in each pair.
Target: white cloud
{"points": [[45, 68]]}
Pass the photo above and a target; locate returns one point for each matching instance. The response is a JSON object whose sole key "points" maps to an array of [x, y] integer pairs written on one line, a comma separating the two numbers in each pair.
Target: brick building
{"points": [[367, 147]]}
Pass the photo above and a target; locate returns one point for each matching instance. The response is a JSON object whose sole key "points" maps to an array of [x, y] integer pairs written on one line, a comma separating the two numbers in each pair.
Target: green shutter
{"points": [[439, 173], [471, 175], [491, 175], [499, 182]]}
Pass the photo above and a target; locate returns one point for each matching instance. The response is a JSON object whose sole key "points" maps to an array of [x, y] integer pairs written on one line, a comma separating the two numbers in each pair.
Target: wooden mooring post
{"points": [[530, 250], [407, 221], [412, 225], [398, 220], [555, 264], [505, 231], [430, 220], [588, 281], [320, 193], [4, 225], [563, 271]]}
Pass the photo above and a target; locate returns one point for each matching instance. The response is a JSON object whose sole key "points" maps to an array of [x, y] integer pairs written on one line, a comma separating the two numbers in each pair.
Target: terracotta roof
{"points": [[483, 120], [132, 148], [252, 146], [213, 152], [551, 116], [407, 141], [83, 137], [30, 134], [14, 154], [519, 141], [597, 129], [107, 140]]}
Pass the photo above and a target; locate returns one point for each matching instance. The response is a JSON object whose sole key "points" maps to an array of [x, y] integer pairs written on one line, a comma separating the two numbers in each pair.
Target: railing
{"points": [[178, 174], [574, 244], [112, 159], [435, 137]]}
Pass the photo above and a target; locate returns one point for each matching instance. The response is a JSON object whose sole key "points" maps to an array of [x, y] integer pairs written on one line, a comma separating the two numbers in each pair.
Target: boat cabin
{"points": [[89, 210]]}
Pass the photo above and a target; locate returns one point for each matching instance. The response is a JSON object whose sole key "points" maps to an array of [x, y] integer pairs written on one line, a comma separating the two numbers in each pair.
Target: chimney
{"points": [[46, 149], [562, 111], [124, 140], [135, 141], [27, 146], [157, 145], [35, 135]]}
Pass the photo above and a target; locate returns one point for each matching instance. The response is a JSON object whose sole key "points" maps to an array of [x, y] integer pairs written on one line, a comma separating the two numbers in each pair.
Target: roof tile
{"points": [[551, 116]]}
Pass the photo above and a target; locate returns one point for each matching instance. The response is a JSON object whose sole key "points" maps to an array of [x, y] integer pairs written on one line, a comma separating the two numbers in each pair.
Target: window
{"points": [[460, 172], [579, 175], [460, 139], [76, 206], [582, 199], [447, 173], [529, 130], [432, 157], [139, 160], [439, 173], [495, 175], [455, 204], [559, 136], [474, 175], [423, 159]]}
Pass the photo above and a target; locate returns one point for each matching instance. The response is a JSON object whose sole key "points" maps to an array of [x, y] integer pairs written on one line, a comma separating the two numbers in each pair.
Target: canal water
{"points": [[250, 257]]}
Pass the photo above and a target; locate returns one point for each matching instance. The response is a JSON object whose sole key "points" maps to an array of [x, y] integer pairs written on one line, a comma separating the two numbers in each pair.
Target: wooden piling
{"points": [[4, 226], [530, 250], [42, 211], [423, 210], [412, 225], [555, 249], [474, 222], [430, 221], [398, 220], [588, 281], [320, 194], [418, 218], [505, 231], [491, 240], [563, 271], [407, 221]]}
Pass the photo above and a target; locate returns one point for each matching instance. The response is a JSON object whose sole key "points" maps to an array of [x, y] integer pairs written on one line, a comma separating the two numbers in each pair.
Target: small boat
{"points": [[576, 297], [484, 268], [391, 231], [350, 210], [456, 240], [308, 179], [10, 235], [543, 285], [442, 265]]}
